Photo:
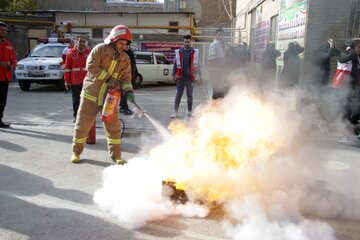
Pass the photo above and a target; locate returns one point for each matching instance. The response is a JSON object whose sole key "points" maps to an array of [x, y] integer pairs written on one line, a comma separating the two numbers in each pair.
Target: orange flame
{"points": [[207, 159]]}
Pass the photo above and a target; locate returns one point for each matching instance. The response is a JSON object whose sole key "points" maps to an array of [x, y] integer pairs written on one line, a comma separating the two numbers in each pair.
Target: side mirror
{"points": [[167, 62]]}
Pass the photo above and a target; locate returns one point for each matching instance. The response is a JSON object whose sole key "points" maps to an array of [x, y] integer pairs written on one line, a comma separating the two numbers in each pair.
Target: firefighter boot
{"points": [[75, 158], [120, 161]]}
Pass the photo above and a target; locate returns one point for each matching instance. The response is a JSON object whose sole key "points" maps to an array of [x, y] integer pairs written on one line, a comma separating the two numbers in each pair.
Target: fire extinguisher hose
{"points": [[122, 127]]}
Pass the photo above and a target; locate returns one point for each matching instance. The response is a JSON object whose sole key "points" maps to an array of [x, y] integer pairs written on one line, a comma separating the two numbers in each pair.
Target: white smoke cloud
{"points": [[244, 153], [133, 193], [255, 224]]}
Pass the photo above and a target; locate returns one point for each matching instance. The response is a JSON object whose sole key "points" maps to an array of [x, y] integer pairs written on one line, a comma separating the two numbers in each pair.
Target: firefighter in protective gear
{"points": [[75, 70], [107, 67]]}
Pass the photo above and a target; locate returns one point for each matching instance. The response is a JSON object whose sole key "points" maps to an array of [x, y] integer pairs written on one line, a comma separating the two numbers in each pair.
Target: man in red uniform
{"points": [[75, 70], [7, 65]]}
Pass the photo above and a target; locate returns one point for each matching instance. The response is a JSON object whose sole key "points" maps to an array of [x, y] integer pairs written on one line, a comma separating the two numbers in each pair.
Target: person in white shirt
{"points": [[217, 64], [67, 49]]}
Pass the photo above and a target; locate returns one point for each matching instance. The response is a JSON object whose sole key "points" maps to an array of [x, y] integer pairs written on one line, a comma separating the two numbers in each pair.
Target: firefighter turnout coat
{"points": [[75, 66], [8, 55], [103, 62]]}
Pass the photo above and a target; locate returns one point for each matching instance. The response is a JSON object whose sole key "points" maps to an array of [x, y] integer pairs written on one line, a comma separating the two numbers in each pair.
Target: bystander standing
{"points": [[217, 64], [185, 71], [7, 66], [67, 49], [124, 107], [75, 70]]}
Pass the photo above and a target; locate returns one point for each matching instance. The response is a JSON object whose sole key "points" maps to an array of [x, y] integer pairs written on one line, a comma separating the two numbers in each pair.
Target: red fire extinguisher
{"points": [[91, 138], [111, 103]]}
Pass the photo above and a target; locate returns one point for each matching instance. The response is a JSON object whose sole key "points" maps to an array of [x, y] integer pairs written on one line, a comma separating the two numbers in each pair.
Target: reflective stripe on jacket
{"points": [[75, 66], [194, 62], [104, 62], [8, 55]]}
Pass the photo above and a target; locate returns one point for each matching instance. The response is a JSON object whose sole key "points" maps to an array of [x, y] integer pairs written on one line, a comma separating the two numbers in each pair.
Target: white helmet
{"points": [[118, 32]]}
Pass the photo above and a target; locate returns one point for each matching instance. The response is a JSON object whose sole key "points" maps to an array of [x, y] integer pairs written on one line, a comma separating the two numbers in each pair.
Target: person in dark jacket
{"points": [[354, 55], [246, 50], [269, 60], [353, 113], [268, 67], [124, 107], [291, 72], [322, 57]]}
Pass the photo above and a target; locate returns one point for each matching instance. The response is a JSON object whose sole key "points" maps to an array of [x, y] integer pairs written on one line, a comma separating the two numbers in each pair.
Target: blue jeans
{"points": [[180, 86]]}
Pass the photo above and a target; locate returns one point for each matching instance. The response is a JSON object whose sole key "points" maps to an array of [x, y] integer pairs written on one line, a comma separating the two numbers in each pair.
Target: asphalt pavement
{"points": [[44, 196]]}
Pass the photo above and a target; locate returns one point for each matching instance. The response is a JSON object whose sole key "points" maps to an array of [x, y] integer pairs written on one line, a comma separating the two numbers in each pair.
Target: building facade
{"points": [[27, 27], [100, 5], [309, 22]]}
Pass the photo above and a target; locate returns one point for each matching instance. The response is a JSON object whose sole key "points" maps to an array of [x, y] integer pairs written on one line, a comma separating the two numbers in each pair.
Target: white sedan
{"points": [[43, 66], [153, 67]]}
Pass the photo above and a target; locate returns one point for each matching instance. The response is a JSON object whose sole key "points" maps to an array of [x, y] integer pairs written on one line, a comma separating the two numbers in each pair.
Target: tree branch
{"points": [[226, 9]]}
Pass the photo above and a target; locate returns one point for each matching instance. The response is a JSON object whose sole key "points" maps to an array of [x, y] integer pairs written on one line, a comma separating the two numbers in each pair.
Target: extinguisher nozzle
{"points": [[142, 111], [138, 107]]}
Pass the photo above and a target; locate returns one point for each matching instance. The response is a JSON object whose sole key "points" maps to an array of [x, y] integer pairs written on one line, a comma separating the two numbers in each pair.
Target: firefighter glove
{"points": [[130, 96]]}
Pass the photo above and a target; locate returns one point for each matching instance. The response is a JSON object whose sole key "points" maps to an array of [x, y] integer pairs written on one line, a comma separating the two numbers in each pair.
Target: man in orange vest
{"points": [[75, 70], [185, 72], [7, 66]]}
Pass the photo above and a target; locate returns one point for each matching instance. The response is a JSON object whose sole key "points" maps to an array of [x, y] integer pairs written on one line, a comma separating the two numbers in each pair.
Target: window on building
{"points": [[182, 4], [354, 20], [97, 33], [173, 24], [273, 28]]}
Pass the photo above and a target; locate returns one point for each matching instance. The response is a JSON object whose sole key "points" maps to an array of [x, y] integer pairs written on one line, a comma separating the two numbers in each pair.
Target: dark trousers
{"points": [[4, 86], [76, 91], [123, 102], [180, 86], [219, 82]]}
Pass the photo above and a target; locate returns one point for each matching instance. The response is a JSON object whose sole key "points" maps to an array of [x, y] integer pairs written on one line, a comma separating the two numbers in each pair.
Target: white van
{"points": [[153, 67]]}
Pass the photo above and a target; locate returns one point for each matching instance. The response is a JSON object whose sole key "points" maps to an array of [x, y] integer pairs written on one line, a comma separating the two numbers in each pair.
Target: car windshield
{"points": [[47, 51]]}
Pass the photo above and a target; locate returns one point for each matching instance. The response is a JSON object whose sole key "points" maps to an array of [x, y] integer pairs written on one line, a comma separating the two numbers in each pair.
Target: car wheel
{"points": [[136, 83], [24, 85], [61, 85]]}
